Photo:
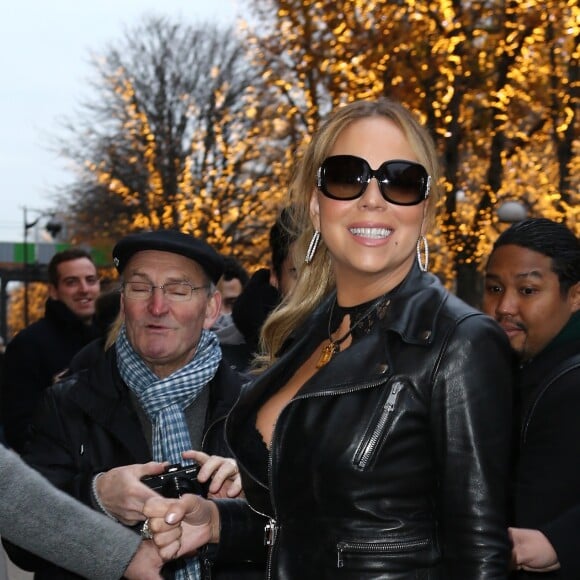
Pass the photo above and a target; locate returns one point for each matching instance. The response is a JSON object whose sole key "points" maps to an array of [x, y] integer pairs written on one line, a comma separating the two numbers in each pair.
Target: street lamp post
{"points": [[27, 226], [53, 227]]}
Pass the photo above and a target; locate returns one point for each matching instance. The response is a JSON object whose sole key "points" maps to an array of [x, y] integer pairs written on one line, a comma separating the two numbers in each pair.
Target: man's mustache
{"points": [[508, 319]]}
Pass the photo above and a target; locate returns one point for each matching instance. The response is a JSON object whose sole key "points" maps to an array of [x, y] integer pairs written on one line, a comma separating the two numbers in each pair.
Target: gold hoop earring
{"points": [[423, 248], [312, 246]]}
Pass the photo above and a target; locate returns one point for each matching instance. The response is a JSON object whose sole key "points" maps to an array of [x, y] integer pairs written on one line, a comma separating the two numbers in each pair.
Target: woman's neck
{"points": [[351, 291]]}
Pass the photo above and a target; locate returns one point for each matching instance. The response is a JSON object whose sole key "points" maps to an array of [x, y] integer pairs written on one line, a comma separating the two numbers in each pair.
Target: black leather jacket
{"points": [[392, 461], [33, 358]]}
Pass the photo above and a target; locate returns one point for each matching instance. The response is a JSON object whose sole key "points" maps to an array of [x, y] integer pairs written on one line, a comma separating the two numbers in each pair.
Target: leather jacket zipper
{"points": [[389, 406], [376, 548], [272, 527], [270, 532]]}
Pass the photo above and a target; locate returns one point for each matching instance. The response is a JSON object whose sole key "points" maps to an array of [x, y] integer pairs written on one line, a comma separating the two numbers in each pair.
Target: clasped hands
{"points": [[123, 495], [179, 527]]}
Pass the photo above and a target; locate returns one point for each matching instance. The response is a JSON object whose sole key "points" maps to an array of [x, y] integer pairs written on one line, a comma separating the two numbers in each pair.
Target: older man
{"points": [[157, 389]]}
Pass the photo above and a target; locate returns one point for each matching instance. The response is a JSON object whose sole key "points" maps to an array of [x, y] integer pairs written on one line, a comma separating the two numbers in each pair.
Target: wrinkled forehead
{"points": [[155, 264]]}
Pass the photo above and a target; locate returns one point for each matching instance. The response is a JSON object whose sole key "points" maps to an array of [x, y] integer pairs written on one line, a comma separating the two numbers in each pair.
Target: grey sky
{"points": [[45, 49]]}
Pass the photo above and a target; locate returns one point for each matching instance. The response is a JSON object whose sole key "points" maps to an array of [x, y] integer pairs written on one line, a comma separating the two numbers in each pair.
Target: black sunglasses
{"points": [[345, 177]]}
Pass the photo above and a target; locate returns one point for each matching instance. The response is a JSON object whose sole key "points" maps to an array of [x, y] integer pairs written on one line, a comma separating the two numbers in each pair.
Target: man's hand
{"points": [[532, 551], [222, 471], [146, 563], [122, 493], [180, 527]]}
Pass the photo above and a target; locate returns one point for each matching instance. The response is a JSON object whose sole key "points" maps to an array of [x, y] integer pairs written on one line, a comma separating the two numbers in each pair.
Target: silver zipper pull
{"points": [[270, 530], [392, 398]]}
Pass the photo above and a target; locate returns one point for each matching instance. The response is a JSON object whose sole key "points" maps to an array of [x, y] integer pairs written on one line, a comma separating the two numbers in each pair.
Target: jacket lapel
{"points": [[108, 404]]}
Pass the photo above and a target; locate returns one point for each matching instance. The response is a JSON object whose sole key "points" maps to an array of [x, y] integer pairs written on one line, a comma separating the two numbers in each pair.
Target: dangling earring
{"points": [[312, 247], [423, 247]]}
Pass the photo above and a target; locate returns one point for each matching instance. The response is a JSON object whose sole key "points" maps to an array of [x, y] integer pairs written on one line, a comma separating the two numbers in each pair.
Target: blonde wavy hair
{"points": [[316, 280], [114, 331]]}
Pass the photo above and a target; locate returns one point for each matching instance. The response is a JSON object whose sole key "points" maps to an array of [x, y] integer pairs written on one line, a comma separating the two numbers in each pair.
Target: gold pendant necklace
{"points": [[333, 346], [328, 351]]}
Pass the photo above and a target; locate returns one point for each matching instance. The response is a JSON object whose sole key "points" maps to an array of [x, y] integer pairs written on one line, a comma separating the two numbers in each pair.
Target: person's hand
{"points": [[146, 563], [532, 551], [181, 526], [222, 472], [122, 493]]}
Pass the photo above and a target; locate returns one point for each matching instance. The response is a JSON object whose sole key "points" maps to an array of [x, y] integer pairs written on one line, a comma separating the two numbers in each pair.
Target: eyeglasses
{"points": [[173, 291], [346, 177]]}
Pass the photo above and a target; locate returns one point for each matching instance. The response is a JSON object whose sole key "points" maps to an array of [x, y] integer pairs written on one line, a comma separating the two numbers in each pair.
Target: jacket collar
{"points": [[413, 314], [416, 307], [565, 346], [566, 340], [59, 314]]}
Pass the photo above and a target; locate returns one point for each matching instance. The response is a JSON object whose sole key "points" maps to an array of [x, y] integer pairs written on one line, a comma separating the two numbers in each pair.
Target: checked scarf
{"points": [[164, 401]]}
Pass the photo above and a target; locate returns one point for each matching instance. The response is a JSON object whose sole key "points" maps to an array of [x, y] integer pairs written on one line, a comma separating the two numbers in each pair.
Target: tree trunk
{"points": [[469, 284]]}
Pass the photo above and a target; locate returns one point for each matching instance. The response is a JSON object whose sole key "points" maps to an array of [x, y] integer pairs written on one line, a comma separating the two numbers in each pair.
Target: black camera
{"points": [[176, 480]]}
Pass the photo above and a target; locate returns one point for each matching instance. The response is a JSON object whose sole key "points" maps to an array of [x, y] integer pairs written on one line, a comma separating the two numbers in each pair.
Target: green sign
{"points": [[41, 253]]}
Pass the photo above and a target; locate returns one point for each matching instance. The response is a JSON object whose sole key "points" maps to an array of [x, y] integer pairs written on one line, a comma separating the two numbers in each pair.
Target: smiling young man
{"points": [[532, 289], [44, 349]]}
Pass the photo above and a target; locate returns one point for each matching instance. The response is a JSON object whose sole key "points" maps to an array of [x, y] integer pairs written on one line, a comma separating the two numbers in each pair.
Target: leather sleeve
{"points": [[241, 534], [471, 423]]}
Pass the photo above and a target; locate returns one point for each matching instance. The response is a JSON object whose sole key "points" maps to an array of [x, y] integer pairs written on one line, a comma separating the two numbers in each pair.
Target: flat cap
{"points": [[170, 241]]}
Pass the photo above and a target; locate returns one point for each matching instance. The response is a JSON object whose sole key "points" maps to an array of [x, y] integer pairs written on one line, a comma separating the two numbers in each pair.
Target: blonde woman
{"points": [[375, 440]]}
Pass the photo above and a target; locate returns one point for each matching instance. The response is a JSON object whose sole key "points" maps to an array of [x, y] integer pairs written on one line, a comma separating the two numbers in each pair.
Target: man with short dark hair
{"points": [[231, 284], [532, 289], [38, 353], [232, 341]]}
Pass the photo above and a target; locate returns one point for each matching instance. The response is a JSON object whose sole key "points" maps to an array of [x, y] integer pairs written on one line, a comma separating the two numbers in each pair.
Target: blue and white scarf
{"points": [[164, 402]]}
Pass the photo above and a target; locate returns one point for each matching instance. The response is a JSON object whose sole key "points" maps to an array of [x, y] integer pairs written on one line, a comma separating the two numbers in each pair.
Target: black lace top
{"points": [[362, 321], [256, 454]]}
